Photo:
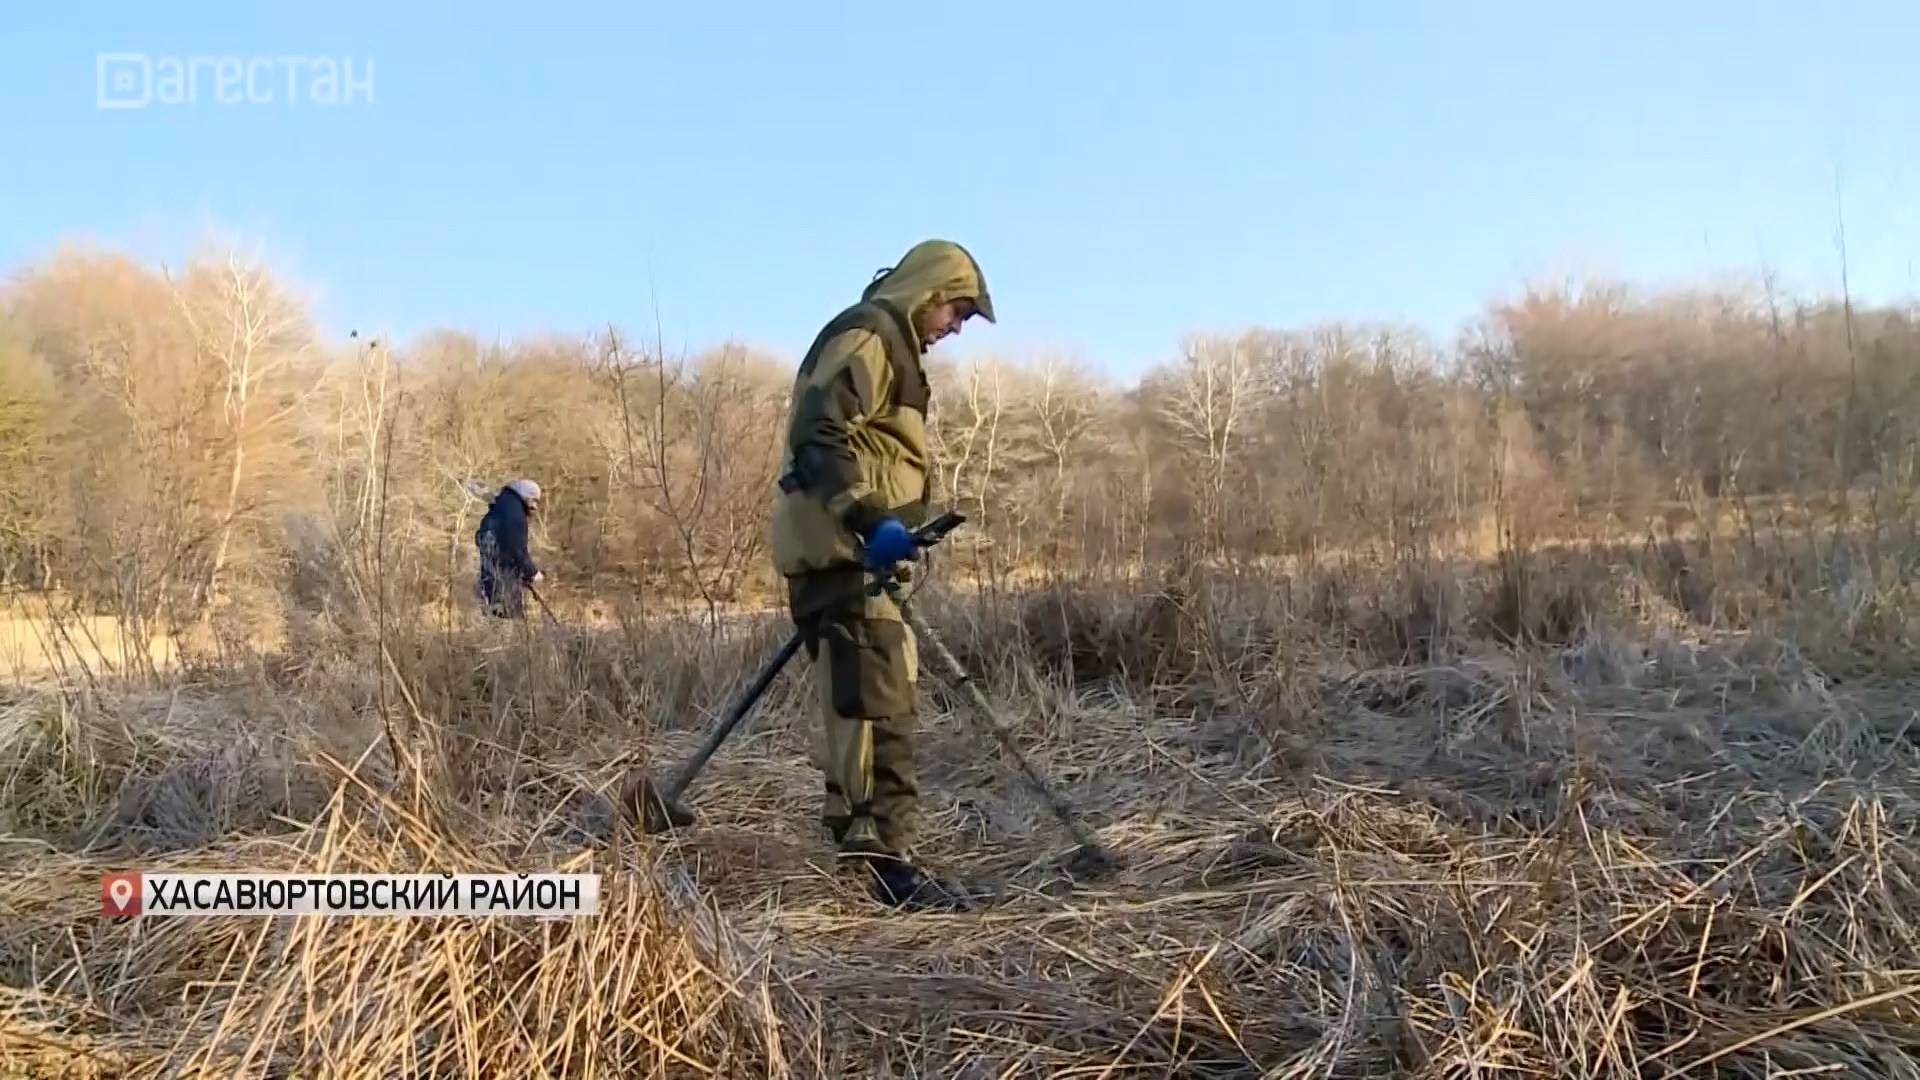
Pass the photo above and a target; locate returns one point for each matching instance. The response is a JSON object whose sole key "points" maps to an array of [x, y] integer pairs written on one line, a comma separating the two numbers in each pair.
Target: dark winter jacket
{"points": [[506, 566]]}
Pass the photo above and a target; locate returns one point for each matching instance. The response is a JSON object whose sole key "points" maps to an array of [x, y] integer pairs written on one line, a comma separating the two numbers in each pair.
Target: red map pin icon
{"points": [[120, 894]]}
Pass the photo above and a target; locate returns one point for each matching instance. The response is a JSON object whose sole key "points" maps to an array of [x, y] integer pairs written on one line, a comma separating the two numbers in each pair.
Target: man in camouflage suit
{"points": [[854, 480]]}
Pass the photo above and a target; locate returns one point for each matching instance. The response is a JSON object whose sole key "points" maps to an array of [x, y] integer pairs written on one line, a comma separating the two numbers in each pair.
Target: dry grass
{"points": [[1363, 833], [37, 640]]}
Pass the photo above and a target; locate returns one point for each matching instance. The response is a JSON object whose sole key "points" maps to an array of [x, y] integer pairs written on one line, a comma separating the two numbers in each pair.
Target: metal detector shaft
{"points": [[737, 712], [548, 611], [990, 717], [926, 536]]}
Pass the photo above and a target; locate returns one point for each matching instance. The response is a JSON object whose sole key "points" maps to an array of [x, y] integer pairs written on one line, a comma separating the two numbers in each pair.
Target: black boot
{"points": [[898, 883]]}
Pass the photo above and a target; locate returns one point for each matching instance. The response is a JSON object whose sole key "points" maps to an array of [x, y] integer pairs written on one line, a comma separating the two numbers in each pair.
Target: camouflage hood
{"points": [[932, 272]]}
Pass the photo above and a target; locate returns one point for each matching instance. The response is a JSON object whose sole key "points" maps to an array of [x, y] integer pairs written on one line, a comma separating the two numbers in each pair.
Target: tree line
{"points": [[175, 443]]}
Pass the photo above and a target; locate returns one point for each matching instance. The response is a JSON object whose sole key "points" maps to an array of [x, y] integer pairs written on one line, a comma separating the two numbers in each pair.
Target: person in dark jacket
{"points": [[506, 566]]}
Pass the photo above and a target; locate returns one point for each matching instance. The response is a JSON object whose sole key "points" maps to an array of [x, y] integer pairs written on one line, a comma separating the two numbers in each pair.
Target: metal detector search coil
{"points": [[138, 894]]}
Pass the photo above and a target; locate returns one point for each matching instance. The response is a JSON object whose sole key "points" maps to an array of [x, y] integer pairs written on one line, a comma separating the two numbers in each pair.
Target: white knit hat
{"points": [[526, 489]]}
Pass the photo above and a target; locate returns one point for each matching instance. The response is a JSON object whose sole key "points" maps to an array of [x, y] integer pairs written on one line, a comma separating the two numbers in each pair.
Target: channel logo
{"points": [[134, 80], [123, 81]]}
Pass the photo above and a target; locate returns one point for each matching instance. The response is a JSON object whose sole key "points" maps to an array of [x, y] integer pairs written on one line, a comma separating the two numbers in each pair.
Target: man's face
{"points": [[945, 318]]}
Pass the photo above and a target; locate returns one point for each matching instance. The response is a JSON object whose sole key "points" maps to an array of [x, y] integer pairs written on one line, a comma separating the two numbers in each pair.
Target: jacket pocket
{"points": [[804, 537]]}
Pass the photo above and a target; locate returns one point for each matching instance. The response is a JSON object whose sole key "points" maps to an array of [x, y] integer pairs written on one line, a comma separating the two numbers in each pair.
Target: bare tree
{"points": [[1066, 409], [254, 331], [1210, 401]]}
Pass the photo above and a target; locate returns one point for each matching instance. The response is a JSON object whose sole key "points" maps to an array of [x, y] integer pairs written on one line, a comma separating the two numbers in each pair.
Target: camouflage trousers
{"points": [[866, 671]]}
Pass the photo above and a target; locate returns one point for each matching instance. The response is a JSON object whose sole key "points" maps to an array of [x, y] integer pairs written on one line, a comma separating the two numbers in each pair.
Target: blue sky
{"points": [[1125, 173]]}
